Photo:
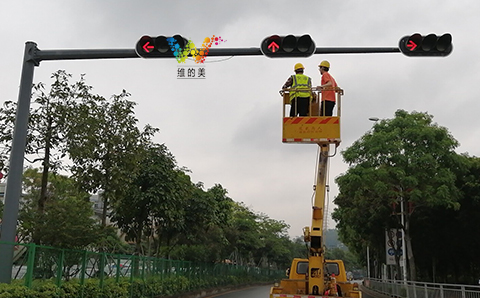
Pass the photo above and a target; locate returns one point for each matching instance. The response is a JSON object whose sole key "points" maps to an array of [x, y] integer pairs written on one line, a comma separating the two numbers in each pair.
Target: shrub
{"points": [[150, 287], [14, 290]]}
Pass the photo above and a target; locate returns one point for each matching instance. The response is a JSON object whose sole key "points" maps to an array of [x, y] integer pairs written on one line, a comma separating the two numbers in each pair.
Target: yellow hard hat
{"points": [[299, 66], [325, 63]]}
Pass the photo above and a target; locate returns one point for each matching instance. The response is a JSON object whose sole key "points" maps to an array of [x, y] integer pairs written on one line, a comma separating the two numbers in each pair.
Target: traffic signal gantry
{"points": [[288, 46], [430, 45], [161, 47]]}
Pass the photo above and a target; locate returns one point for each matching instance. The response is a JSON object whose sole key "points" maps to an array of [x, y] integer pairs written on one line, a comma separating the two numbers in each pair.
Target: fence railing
{"points": [[411, 289], [35, 262]]}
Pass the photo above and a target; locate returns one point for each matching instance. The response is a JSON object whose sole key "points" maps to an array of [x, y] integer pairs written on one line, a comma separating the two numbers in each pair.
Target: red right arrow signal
{"points": [[273, 46], [411, 45], [417, 45]]}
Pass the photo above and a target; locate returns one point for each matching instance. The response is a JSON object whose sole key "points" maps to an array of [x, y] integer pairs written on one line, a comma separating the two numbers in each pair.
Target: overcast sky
{"points": [[227, 128]]}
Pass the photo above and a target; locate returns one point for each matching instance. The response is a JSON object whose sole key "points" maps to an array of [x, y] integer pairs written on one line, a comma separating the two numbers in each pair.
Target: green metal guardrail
{"points": [[35, 262]]}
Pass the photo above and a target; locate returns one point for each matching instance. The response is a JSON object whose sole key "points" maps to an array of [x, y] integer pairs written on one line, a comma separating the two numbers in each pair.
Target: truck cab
{"points": [[296, 285]]}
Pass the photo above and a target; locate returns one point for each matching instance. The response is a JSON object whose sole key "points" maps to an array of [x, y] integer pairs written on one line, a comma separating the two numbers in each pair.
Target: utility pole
{"points": [[13, 190]]}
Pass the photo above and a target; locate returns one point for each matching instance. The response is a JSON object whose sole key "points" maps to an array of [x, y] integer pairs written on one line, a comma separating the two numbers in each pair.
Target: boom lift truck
{"points": [[315, 276]]}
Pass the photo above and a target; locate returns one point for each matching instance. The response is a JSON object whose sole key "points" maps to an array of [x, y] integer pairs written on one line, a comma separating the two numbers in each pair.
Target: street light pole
{"points": [[374, 119], [404, 249], [368, 261]]}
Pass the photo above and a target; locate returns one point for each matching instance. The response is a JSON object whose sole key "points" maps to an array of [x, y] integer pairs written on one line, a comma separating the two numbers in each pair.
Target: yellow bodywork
{"points": [[296, 285], [313, 128], [318, 129]]}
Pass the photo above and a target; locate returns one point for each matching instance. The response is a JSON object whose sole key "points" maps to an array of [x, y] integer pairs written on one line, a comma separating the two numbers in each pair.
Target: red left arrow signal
{"points": [[147, 47], [273, 46], [411, 45]]}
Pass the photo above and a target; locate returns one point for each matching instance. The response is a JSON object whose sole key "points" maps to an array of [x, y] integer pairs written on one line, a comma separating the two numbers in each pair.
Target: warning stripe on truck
{"points": [[311, 120], [297, 296], [291, 140]]}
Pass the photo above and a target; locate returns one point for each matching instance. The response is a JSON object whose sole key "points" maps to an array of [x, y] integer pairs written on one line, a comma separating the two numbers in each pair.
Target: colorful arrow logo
{"points": [[273, 46], [147, 47], [411, 45]]}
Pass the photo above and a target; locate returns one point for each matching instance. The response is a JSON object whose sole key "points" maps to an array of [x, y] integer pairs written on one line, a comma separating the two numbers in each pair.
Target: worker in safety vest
{"points": [[300, 91], [328, 96]]}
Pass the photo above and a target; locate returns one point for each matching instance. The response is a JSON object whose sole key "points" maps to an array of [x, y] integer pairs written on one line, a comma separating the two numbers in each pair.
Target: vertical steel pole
{"points": [[404, 248], [404, 251], [368, 261], [13, 190]]}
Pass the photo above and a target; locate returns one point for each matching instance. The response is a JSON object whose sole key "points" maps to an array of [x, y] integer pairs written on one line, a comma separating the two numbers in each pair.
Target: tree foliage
{"points": [[146, 195], [104, 143], [66, 221], [408, 158], [46, 130], [349, 259], [444, 241], [46, 124], [153, 201]]}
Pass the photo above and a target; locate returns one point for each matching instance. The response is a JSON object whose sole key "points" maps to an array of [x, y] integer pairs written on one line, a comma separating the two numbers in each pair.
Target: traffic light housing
{"points": [[430, 45], [288, 46], [160, 46]]}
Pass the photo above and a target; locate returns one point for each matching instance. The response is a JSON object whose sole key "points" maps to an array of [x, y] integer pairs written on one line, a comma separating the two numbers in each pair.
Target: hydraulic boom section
{"points": [[316, 284]]}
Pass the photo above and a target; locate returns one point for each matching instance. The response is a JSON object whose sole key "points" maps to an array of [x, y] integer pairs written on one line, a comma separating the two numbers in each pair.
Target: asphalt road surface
{"points": [[253, 292]]}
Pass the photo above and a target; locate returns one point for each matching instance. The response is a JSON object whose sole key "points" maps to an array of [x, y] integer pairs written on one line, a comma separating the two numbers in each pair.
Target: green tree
{"points": [[207, 216], [275, 245], [408, 158], [65, 118], [154, 199], [466, 220], [349, 259], [299, 248], [362, 215], [105, 144], [243, 234], [169, 217], [66, 220], [451, 230], [46, 127], [208, 209]]}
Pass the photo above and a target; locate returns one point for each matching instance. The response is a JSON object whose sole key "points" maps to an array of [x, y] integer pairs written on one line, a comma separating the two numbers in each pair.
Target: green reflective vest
{"points": [[302, 84]]}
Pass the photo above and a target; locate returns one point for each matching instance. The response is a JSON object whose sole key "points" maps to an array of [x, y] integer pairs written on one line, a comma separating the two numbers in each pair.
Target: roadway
{"points": [[260, 292], [253, 292]]}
